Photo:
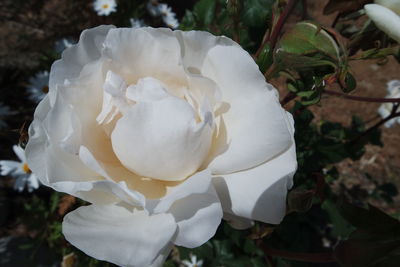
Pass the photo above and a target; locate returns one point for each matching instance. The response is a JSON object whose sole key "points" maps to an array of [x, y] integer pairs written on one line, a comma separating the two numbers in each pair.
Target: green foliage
{"points": [[256, 12], [223, 250], [204, 11], [307, 38]]}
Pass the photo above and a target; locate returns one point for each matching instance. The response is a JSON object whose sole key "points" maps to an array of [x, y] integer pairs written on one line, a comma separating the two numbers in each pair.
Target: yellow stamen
{"points": [[105, 6], [25, 168]]}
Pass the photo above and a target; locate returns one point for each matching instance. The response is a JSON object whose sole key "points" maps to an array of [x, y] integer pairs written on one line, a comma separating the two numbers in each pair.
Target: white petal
{"points": [[33, 182], [394, 5], [259, 193], [146, 90], [255, 121], [385, 19], [196, 184], [385, 110], [196, 44], [36, 147], [20, 182], [19, 151], [162, 139], [114, 234], [195, 207], [101, 192], [77, 56], [54, 139], [145, 52], [393, 87], [9, 166], [198, 217], [158, 262]]}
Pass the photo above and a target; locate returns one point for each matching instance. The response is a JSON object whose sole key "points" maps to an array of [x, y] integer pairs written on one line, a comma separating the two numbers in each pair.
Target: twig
{"points": [[281, 21], [289, 97], [273, 37], [362, 98], [336, 20], [393, 114]]}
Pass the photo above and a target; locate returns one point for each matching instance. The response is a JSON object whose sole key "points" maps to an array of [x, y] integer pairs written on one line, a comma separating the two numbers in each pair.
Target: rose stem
{"points": [[362, 98], [289, 97]]}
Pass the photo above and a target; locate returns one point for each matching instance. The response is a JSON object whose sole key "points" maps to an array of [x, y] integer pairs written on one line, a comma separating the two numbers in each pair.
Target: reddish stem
{"points": [[289, 97], [273, 38], [281, 21], [297, 256], [392, 115], [362, 98]]}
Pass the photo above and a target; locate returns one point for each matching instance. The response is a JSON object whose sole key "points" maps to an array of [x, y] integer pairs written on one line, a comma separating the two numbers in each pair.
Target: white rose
{"points": [[164, 133], [386, 16]]}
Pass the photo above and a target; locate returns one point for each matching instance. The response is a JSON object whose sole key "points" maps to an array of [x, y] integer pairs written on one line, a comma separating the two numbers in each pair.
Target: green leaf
{"points": [[375, 241], [298, 62], [265, 59], [351, 83], [256, 12], [307, 38], [341, 227], [188, 21], [204, 11], [55, 197], [300, 200]]}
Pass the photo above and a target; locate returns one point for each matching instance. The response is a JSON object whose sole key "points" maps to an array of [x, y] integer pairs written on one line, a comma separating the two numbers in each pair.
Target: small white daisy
{"points": [[105, 7], [62, 44], [193, 262], [393, 88], [19, 170], [165, 10], [137, 23], [39, 86], [171, 22], [4, 112], [153, 8], [168, 16]]}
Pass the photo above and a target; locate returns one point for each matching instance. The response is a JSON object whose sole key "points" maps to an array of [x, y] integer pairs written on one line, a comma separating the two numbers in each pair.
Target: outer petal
{"points": [[101, 192], [196, 208], [255, 121], [196, 44], [198, 217], [385, 19], [117, 235], [77, 56], [391, 4], [259, 193]]}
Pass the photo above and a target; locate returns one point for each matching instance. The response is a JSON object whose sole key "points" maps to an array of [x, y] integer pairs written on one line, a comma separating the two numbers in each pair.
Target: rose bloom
{"points": [[164, 133], [386, 16]]}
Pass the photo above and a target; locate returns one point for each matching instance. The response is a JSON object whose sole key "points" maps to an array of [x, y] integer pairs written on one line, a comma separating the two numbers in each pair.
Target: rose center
{"points": [[157, 135]]}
